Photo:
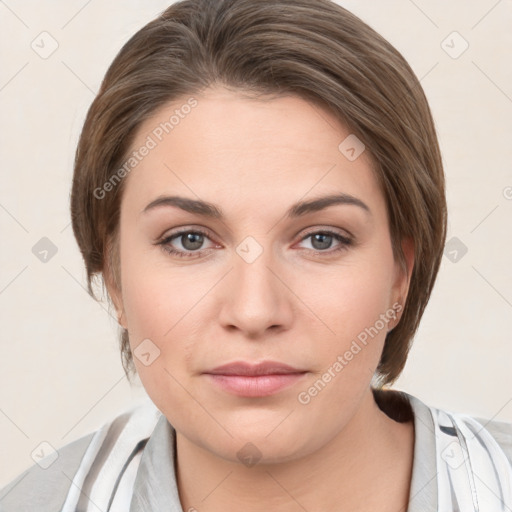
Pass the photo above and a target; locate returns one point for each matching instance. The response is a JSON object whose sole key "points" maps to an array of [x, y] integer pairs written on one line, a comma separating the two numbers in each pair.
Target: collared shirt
{"points": [[460, 463]]}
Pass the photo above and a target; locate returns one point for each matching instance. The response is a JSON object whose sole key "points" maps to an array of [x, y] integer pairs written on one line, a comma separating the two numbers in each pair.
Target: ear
{"points": [[113, 284], [403, 275]]}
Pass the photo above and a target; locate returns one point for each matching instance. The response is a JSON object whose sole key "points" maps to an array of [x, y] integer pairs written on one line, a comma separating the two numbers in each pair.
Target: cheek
{"points": [[166, 305], [352, 305], [352, 297], [149, 299], [153, 297], [157, 312]]}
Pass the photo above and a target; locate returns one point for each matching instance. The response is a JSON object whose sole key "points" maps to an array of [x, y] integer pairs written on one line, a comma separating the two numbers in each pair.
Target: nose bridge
{"points": [[256, 299]]}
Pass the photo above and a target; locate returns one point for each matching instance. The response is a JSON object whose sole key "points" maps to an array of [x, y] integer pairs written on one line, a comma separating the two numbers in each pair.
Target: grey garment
{"points": [[423, 493], [502, 432], [155, 486], [44, 490], [423, 496]]}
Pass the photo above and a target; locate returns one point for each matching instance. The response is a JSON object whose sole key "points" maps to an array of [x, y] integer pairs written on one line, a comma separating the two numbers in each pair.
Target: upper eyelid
{"points": [[183, 231], [201, 229], [337, 231], [205, 232]]}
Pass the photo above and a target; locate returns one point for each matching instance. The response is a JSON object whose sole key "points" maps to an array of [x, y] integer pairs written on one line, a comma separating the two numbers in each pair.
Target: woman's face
{"points": [[249, 265]]}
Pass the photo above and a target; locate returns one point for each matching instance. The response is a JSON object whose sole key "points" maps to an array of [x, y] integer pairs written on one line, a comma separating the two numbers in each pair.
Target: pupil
{"points": [[324, 239]]}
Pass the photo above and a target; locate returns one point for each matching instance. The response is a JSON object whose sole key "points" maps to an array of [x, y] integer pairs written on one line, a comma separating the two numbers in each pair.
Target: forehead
{"points": [[224, 146]]}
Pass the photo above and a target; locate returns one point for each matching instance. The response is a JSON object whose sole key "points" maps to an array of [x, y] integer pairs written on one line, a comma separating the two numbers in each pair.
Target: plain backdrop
{"points": [[60, 370]]}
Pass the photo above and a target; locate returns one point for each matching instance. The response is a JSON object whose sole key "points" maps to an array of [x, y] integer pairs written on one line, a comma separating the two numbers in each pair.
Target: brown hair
{"points": [[311, 48]]}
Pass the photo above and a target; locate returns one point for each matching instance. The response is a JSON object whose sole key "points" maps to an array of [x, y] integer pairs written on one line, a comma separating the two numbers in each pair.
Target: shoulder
{"points": [[501, 431], [484, 439], [488, 432], [46, 486], [43, 489]]}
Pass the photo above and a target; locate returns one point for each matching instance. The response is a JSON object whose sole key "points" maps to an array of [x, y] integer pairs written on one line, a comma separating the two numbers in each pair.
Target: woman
{"points": [[260, 186]]}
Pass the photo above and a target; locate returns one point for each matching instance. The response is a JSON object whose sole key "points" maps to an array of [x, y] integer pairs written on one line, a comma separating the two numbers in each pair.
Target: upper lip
{"points": [[263, 368]]}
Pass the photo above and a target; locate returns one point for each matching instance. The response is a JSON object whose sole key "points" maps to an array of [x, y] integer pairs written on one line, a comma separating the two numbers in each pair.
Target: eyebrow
{"points": [[207, 209]]}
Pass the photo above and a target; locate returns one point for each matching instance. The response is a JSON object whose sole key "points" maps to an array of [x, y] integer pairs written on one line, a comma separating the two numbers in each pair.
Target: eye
{"points": [[322, 240], [191, 242]]}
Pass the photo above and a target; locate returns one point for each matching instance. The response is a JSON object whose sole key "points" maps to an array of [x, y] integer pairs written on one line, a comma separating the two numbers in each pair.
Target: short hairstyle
{"points": [[314, 49]]}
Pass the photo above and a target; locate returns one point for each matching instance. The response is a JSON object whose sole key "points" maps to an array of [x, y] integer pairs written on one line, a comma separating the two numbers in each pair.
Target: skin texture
{"points": [[298, 303]]}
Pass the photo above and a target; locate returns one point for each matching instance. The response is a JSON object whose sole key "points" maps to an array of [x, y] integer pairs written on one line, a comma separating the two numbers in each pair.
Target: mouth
{"points": [[255, 380]]}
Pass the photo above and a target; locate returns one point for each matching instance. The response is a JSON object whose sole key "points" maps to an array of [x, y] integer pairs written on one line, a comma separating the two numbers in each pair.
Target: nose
{"points": [[256, 298]]}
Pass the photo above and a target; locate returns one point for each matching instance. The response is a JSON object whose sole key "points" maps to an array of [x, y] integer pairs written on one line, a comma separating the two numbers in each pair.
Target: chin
{"points": [[252, 451]]}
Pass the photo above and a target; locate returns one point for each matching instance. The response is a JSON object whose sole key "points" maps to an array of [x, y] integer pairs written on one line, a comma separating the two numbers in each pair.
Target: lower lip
{"points": [[261, 385]]}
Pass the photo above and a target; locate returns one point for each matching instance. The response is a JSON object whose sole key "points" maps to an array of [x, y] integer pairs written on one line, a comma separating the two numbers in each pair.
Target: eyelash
{"points": [[345, 242]]}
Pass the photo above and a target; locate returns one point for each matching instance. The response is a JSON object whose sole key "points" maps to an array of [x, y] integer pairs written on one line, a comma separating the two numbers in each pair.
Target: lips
{"points": [[248, 369], [255, 380]]}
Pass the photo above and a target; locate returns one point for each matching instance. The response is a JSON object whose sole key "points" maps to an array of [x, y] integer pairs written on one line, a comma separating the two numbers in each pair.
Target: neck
{"points": [[366, 466]]}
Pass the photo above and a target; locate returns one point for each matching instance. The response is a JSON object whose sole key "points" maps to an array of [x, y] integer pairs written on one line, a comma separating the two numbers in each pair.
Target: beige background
{"points": [[60, 372]]}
